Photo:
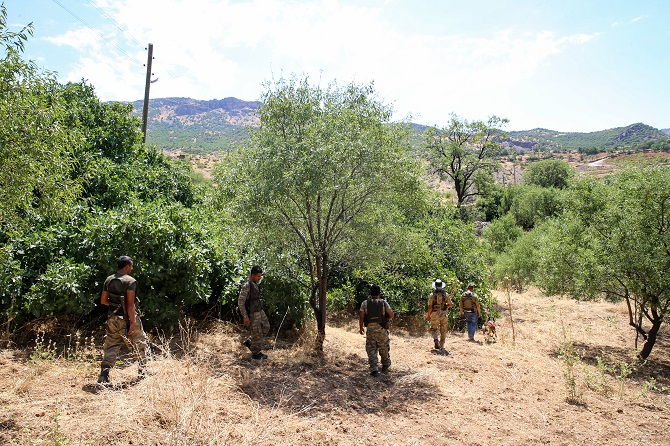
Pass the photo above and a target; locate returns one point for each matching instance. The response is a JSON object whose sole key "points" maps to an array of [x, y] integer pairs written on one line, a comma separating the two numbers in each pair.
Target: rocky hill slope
{"points": [[620, 137], [196, 126]]}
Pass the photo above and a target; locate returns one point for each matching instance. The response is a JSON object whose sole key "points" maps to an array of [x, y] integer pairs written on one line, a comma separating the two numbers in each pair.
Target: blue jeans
{"points": [[471, 322]]}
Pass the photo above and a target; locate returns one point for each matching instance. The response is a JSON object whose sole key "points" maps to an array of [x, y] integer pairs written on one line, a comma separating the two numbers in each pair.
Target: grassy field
{"points": [[562, 373]]}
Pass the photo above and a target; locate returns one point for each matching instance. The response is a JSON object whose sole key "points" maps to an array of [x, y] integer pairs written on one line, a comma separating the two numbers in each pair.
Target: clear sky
{"points": [[566, 65]]}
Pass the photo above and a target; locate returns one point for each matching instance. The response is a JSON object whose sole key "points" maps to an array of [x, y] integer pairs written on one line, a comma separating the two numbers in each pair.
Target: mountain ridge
{"points": [[201, 126]]}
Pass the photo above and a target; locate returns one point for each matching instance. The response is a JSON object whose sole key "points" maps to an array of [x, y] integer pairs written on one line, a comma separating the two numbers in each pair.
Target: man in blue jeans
{"points": [[469, 307]]}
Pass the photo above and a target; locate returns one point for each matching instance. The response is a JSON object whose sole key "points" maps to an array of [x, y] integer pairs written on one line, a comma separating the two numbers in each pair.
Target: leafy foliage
{"points": [[614, 241], [13, 42], [549, 173], [531, 204], [36, 149], [502, 233], [465, 152], [322, 168], [79, 190]]}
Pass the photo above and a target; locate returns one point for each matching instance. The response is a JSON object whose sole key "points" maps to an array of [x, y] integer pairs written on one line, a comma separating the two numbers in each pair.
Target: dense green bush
{"points": [[549, 173], [79, 190], [531, 204], [177, 264], [501, 234]]}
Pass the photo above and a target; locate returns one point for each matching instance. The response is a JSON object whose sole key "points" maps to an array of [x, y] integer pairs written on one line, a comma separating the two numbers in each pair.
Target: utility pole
{"points": [[145, 110]]}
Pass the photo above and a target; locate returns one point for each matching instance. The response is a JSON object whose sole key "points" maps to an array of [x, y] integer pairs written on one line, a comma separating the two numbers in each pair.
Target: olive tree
{"points": [[35, 148], [613, 241], [549, 173], [465, 152], [321, 171]]}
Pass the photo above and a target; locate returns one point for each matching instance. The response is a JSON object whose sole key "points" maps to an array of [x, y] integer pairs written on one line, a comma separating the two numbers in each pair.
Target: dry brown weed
{"points": [[207, 390]]}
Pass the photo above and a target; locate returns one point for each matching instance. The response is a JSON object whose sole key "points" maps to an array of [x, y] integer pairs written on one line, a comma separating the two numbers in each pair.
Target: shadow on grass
{"points": [[656, 368], [327, 384], [99, 388]]}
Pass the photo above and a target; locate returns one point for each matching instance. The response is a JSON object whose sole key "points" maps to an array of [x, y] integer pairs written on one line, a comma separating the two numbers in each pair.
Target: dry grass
{"points": [[206, 390]]}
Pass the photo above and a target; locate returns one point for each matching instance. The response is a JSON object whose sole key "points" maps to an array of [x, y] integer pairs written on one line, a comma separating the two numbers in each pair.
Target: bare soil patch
{"points": [[207, 391]]}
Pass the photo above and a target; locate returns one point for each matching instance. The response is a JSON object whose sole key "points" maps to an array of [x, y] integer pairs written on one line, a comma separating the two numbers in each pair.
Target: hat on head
{"points": [[471, 285], [375, 290], [438, 285]]}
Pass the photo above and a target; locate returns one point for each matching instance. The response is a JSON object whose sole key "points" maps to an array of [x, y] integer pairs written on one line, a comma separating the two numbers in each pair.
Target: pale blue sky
{"points": [[567, 65]]}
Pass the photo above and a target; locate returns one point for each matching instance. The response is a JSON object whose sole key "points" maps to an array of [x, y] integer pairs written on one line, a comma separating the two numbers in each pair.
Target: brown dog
{"points": [[489, 330]]}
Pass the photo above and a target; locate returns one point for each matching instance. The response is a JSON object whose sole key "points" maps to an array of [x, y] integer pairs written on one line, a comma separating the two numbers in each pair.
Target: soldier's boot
{"points": [[437, 344], [259, 355], [385, 369], [247, 343], [143, 371], [104, 375]]}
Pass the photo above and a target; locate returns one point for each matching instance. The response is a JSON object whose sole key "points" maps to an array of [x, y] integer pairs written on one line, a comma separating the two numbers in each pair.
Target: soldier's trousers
{"points": [[114, 340], [377, 342], [260, 327], [438, 322]]}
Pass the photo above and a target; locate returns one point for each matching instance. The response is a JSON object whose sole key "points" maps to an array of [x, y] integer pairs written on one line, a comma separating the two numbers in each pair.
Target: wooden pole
{"points": [[509, 307], [145, 110]]}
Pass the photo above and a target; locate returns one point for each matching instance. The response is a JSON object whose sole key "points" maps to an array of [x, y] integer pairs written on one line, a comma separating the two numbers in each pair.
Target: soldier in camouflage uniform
{"points": [[124, 326], [377, 312], [439, 303], [250, 304]]}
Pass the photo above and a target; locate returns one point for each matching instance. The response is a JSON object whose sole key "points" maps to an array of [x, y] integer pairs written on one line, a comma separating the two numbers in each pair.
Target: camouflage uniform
{"points": [[439, 301], [377, 341], [116, 327], [260, 325]]}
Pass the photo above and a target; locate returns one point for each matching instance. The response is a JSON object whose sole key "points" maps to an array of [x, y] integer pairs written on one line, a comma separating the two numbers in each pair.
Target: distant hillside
{"points": [[195, 126], [621, 137]]}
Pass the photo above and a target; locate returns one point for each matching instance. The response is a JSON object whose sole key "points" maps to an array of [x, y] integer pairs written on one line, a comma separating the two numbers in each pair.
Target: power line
{"points": [[111, 19], [126, 33], [97, 32]]}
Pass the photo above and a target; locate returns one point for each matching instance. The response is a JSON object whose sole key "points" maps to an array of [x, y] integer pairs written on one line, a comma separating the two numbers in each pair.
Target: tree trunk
{"points": [[460, 191], [315, 305], [651, 338], [322, 275]]}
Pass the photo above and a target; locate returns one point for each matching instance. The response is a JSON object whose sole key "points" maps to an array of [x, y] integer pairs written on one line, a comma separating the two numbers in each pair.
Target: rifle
{"points": [[125, 316]]}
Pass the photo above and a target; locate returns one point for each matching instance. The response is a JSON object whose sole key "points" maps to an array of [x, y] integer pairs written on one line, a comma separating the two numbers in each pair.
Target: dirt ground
{"points": [[564, 376]]}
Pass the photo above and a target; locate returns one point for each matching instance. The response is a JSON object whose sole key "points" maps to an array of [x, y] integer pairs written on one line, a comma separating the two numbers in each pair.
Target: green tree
{"points": [[465, 152], [614, 241], [321, 172], [489, 203], [519, 260], [13, 41], [35, 148], [531, 204], [548, 173], [502, 233]]}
